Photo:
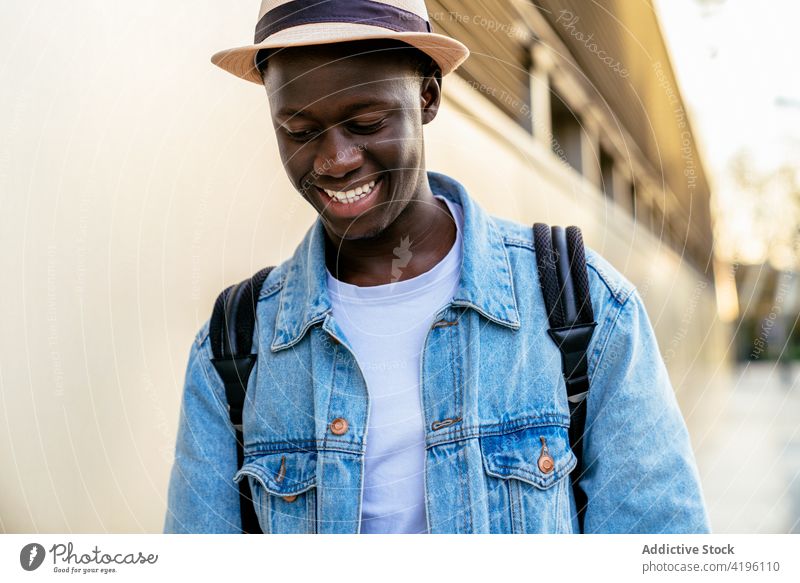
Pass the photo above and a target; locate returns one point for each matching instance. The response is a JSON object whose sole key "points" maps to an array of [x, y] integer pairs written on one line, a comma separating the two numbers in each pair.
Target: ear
{"points": [[430, 94]]}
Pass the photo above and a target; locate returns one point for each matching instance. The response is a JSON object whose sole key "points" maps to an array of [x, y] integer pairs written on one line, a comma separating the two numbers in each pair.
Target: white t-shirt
{"points": [[386, 326]]}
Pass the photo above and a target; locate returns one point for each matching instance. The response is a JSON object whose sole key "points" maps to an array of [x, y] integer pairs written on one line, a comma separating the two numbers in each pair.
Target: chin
{"points": [[366, 228]]}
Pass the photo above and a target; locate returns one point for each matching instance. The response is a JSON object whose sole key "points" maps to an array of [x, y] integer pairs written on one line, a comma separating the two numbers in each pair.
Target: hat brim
{"points": [[240, 61]]}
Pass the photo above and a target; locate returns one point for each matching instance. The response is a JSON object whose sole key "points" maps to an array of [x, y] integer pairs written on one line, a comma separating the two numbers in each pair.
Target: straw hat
{"points": [[292, 23]]}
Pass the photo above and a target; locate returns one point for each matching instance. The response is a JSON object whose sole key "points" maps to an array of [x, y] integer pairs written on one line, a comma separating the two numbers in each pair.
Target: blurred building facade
{"points": [[593, 82]]}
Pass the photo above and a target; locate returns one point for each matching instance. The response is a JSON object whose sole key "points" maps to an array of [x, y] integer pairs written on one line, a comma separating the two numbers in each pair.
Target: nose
{"points": [[337, 155]]}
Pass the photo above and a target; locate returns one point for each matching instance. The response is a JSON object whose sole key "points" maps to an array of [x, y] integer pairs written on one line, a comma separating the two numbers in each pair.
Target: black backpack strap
{"points": [[231, 329], [561, 263]]}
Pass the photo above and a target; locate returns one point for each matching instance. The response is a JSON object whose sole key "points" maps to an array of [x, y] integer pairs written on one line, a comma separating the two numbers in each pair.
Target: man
{"points": [[405, 381]]}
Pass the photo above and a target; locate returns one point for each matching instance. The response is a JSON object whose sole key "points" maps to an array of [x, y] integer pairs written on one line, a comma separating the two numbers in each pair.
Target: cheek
{"points": [[409, 154], [411, 144], [294, 161], [411, 151], [401, 150]]}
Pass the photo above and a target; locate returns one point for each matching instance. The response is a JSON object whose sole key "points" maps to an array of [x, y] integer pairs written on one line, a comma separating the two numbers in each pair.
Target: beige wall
{"points": [[137, 180]]}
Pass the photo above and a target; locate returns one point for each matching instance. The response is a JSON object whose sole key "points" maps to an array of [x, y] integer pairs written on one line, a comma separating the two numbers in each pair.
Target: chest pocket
{"points": [[284, 490], [527, 473]]}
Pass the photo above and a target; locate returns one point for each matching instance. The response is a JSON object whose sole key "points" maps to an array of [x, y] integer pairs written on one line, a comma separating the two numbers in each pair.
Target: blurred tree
{"points": [[771, 205]]}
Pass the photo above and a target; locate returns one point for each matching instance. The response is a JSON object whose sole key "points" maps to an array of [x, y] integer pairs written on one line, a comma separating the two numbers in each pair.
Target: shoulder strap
{"points": [[231, 333], [561, 263]]}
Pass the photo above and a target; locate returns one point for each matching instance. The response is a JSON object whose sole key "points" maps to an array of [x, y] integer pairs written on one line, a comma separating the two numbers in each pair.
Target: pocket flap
{"points": [[282, 474], [516, 454]]}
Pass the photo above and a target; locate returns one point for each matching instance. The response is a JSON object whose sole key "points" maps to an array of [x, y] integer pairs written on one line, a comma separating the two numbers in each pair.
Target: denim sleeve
{"points": [[641, 475], [202, 495]]}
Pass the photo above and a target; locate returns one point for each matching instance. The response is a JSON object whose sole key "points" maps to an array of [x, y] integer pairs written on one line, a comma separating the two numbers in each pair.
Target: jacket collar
{"points": [[485, 284]]}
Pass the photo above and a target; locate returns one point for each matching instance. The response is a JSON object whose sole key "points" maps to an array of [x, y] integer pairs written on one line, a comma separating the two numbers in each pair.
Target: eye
{"points": [[303, 135], [365, 127]]}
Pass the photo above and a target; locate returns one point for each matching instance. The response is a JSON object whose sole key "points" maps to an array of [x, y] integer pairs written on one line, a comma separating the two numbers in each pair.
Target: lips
{"points": [[352, 195], [352, 202]]}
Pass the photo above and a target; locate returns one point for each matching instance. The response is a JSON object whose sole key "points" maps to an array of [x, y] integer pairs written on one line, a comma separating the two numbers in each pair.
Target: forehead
{"points": [[330, 76]]}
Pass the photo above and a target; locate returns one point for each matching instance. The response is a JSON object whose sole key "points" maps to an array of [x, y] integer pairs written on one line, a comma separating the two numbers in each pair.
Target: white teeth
{"points": [[351, 195]]}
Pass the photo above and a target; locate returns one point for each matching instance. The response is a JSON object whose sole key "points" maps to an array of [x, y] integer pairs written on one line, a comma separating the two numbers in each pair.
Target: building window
{"points": [[607, 174], [567, 130]]}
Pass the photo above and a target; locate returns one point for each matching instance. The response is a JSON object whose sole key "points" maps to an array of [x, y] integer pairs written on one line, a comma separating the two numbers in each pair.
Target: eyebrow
{"points": [[352, 108]]}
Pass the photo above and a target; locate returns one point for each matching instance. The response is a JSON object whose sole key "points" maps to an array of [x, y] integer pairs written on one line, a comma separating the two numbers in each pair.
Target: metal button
{"points": [[339, 426], [290, 498], [546, 464]]}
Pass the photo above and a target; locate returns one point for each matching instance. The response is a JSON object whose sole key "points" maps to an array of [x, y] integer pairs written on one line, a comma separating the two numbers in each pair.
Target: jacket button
{"points": [[546, 463], [290, 498], [339, 426]]}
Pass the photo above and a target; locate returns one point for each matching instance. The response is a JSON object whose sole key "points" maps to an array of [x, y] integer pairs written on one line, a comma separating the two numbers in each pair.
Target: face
{"points": [[349, 131]]}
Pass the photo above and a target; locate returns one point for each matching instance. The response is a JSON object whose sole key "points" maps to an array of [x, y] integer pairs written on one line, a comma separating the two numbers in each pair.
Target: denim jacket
{"points": [[492, 394]]}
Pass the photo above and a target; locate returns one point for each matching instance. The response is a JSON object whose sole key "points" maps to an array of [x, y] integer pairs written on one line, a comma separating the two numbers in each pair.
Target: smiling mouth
{"points": [[351, 196]]}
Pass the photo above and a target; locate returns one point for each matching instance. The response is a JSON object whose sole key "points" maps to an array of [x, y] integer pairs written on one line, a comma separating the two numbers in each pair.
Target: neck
{"points": [[412, 244]]}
